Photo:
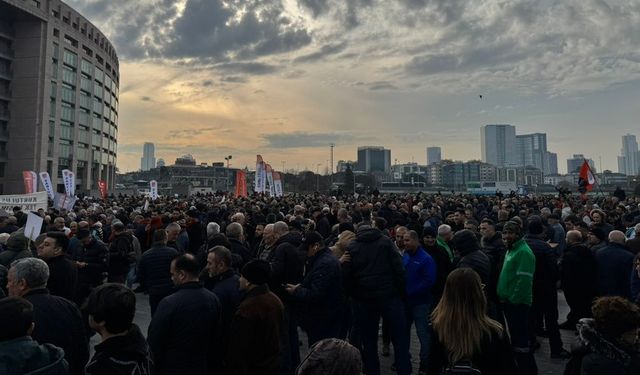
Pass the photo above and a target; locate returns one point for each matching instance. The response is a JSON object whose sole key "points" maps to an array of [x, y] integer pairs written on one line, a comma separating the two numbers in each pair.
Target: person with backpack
{"points": [[464, 339]]}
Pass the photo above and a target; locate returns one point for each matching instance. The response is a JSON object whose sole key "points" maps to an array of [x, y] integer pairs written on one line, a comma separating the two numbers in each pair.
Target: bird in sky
{"points": [[480, 96]]}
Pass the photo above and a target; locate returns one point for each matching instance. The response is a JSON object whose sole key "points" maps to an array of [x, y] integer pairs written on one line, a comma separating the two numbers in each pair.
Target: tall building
{"points": [[574, 164], [498, 145], [148, 160], [374, 159], [628, 161], [531, 151], [160, 163], [434, 155], [59, 84]]}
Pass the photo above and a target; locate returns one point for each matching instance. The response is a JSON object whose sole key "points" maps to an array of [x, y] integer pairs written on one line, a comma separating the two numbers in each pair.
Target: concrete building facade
{"points": [[59, 87], [374, 159], [498, 145], [629, 159]]}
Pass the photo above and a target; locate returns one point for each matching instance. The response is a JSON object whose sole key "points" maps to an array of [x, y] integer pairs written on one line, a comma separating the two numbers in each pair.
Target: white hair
{"points": [[213, 228]]}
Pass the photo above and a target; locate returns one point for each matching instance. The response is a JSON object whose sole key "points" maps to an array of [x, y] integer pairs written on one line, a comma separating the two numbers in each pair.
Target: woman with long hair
{"points": [[464, 336]]}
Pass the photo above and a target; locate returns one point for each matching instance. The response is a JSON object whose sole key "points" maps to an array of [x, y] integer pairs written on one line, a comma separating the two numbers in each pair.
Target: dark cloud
{"points": [[146, 99], [254, 68], [207, 83], [326, 50], [382, 85], [189, 133], [305, 139], [234, 79]]}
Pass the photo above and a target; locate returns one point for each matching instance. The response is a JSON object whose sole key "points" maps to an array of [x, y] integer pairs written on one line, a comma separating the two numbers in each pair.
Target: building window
{"points": [[68, 94], [54, 89], [36, 3], [70, 40], [70, 58], [69, 76], [86, 67], [66, 131], [99, 75], [67, 112]]}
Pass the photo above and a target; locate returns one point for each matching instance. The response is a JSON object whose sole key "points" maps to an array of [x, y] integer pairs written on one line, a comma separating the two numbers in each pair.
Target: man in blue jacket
{"points": [[421, 275]]}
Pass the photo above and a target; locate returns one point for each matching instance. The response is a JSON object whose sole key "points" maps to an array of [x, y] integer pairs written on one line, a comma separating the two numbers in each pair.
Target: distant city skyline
{"points": [[403, 74], [148, 159]]}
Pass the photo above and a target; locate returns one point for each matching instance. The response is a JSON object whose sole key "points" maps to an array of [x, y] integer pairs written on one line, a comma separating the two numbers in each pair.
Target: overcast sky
{"points": [[285, 78]]}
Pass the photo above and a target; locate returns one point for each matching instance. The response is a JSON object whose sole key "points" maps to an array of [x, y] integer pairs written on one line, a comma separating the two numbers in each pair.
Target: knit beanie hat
{"points": [[256, 271]]}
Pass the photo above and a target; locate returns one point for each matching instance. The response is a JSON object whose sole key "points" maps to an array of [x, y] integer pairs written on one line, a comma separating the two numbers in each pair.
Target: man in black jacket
{"points": [[287, 267], [57, 320], [465, 246], [225, 284], [376, 281], [121, 253], [440, 257], [184, 332], [615, 264], [63, 273], [492, 245], [235, 234], [578, 279], [123, 350], [320, 292], [545, 297], [92, 262], [154, 267]]}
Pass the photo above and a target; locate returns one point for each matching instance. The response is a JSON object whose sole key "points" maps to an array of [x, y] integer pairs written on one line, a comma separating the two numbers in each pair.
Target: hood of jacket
{"points": [[293, 237], [597, 343], [25, 356], [368, 235]]}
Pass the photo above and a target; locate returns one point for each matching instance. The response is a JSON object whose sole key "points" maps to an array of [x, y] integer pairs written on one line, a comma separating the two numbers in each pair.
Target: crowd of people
{"points": [[231, 283]]}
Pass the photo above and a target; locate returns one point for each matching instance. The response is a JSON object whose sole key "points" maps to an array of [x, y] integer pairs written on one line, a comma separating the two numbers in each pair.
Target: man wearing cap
{"points": [[320, 292], [63, 273], [184, 332], [515, 291], [121, 253], [596, 239], [257, 326], [92, 261]]}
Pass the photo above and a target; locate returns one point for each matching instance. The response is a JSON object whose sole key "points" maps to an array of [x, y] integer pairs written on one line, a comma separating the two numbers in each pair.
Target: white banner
{"points": [[69, 179], [46, 183], [272, 190], [259, 178], [153, 189], [26, 202], [63, 201], [277, 184]]}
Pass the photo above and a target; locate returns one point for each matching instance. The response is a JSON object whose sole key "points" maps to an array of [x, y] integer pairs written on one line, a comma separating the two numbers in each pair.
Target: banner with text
{"points": [[46, 182], [272, 191], [30, 181], [102, 186], [69, 179], [260, 175], [241, 184], [153, 189], [63, 201], [26, 202], [277, 184]]}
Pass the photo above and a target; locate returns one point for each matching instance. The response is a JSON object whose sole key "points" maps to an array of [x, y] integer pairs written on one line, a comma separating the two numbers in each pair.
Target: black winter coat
{"points": [[579, 272], [321, 291], [96, 255], [154, 270], [63, 277], [495, 250], [479, 262], [122, 355], [287, 264], [443, 268], [226, 287], [238, 248], [375, 272], [184, 332], [546, 274], [121, 254], [59, 322], [615, 264]]}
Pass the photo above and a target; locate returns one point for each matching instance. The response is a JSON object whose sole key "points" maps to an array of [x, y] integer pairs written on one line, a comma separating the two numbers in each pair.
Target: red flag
{"points": [[30, 182], [102, 186], [586, 179]]}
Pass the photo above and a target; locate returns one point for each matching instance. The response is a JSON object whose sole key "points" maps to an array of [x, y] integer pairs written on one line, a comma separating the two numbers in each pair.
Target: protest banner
{"points": [[26, 202]]}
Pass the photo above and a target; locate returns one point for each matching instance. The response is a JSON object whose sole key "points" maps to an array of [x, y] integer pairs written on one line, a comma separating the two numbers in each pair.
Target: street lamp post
{"points": [[228, 159], [318, 177]]}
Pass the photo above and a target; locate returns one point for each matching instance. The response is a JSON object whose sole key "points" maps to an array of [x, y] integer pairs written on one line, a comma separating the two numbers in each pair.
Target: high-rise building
{"points": [[374, 159], [574, 164], [148, 160], [531, 151], [160, 163], [59, 84], [628, 162], [498, 145], [434, 155]]}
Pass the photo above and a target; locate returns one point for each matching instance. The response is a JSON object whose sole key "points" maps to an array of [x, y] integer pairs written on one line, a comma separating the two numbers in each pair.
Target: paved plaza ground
{"points": [[546, 365]]}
